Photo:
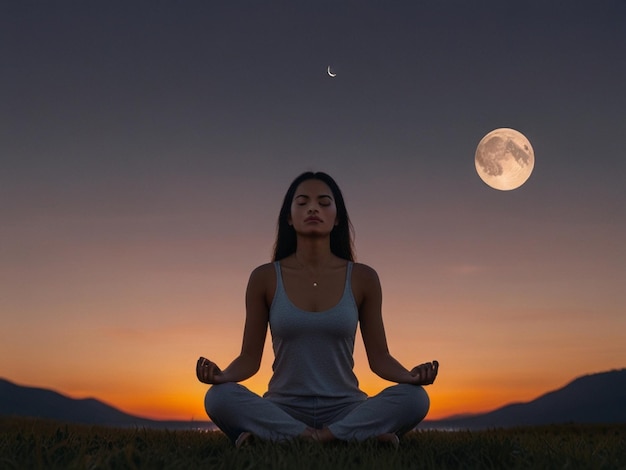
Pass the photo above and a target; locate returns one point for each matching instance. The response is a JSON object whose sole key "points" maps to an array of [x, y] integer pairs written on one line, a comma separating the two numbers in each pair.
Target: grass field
{"points": [[26, 443]]}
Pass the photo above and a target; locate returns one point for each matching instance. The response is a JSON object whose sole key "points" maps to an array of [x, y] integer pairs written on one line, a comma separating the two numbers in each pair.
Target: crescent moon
{"points": [[330, 73]]}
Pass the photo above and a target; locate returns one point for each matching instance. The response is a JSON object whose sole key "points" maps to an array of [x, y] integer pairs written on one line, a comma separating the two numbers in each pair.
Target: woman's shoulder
{"points": [[365, 285], [364, 273], [262, 283], [263, 271]]}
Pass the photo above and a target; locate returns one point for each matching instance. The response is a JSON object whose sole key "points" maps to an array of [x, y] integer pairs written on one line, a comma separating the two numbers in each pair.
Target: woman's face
{"points": [[313, 209]]}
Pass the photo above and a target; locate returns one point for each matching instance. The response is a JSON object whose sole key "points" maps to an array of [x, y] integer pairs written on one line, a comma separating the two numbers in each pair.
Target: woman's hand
{"points": [[425, 374], [208, 372]]}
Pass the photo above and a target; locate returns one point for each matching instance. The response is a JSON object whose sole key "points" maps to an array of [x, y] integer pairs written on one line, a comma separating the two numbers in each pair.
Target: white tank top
{"points": [[313, 351]]}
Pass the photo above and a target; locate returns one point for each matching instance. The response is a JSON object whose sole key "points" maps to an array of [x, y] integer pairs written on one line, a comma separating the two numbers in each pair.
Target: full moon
{"points": [[504, 159]]}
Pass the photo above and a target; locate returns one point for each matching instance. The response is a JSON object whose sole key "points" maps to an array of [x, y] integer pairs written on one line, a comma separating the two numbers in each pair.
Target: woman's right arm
{"points": [[257, 315]]}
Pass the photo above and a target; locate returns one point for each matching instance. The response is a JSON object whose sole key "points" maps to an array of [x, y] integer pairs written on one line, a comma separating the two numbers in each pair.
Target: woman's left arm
{"points": [[380, 360]]}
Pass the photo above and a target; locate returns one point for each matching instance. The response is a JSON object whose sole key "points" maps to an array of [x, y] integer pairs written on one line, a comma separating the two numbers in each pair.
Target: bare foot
{"points": [[318, 435], [324, 435], [389, 438], [245, 438], [308, 434]]}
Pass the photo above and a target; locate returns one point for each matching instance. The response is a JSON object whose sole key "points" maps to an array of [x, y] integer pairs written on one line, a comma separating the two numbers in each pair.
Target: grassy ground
{"points": [[28, 443]]}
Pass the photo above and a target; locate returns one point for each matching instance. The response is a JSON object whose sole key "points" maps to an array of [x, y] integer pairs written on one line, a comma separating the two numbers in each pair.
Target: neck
{"points": [[313, 254]]}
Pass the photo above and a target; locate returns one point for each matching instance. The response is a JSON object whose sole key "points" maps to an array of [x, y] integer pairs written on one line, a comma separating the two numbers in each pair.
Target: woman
{"points": [[312, 296]]}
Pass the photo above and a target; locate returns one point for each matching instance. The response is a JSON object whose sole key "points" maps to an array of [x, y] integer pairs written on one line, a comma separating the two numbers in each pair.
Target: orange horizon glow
{"points": [[187, 405], [451, 395]]}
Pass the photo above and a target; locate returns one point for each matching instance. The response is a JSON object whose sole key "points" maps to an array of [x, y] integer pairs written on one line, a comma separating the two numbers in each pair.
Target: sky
{"points": [[146, 146]]}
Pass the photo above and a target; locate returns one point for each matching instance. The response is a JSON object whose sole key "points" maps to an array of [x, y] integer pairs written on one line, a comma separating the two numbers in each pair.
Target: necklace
{"points": [[315, 283]]}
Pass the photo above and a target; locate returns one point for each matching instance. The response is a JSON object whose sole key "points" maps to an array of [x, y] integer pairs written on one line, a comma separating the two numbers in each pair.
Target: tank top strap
{"points": [[348, 289], [279, 276]]}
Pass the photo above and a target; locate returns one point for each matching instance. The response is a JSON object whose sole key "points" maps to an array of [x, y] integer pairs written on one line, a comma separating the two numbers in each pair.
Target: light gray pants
{"points": [[235, 409]]}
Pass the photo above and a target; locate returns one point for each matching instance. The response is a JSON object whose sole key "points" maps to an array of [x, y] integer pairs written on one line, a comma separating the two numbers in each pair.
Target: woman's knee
{"points": [[219, 396], [415, 400]]}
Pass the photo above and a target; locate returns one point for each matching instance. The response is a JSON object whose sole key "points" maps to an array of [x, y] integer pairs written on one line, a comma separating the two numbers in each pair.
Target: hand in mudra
{"points": [[208, 372], [425, 374]]}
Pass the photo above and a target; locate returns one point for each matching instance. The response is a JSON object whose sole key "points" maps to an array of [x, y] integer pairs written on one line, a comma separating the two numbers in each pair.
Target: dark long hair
{"points": [[341, 237]]}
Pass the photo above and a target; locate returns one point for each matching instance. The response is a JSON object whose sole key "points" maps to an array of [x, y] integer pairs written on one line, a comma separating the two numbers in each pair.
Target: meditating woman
{"points": [[313, 296]]}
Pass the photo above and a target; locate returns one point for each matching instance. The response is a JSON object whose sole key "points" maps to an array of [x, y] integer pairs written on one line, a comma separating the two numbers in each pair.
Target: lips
{"points": [[312, 219]]}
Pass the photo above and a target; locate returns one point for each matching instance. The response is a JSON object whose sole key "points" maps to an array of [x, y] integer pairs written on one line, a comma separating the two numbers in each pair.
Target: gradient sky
{"points": [[146, 147]]}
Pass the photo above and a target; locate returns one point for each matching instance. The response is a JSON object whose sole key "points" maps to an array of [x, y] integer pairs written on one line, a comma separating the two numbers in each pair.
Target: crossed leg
{"points": [[392, 412]]}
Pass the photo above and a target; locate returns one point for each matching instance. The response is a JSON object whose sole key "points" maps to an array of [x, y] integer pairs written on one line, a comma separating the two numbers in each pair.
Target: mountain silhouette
{"points": [[17, 400], [596, 398]]}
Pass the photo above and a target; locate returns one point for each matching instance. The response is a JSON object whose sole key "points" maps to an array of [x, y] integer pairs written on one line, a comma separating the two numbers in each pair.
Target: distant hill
{"points": [[16, 400], [596, 398]]}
